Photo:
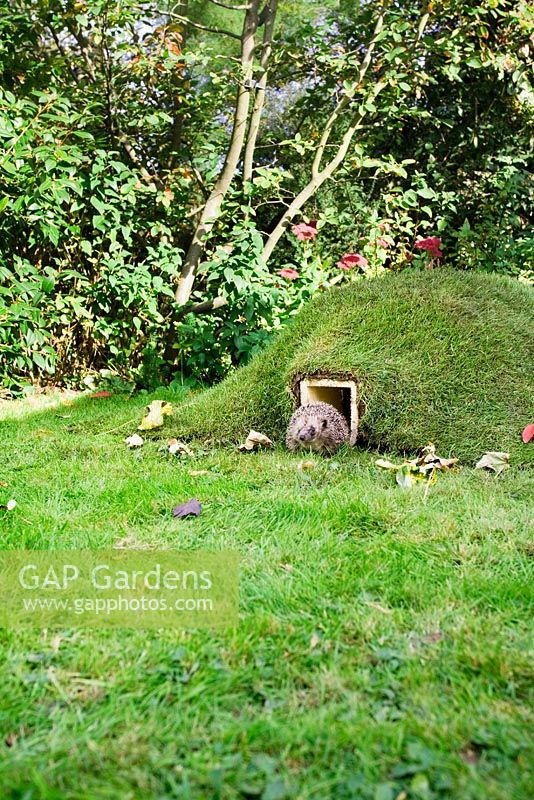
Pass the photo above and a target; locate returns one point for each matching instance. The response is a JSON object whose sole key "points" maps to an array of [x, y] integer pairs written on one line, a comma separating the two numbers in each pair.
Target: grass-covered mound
{"points": [[439, 356]]}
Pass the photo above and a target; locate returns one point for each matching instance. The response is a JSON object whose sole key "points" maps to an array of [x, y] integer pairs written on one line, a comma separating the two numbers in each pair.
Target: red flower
{"points": [[431, 245], [287, 272], [351, 260], [305, 231]]}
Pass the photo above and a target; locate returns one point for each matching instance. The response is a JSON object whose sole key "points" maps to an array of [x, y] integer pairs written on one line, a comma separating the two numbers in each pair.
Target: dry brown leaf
{"points": [[430, 460], [498, 462], [255, 440], [174, 447]]}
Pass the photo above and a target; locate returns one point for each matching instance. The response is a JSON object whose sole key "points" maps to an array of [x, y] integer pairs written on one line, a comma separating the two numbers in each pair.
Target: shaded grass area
{"points": [[384, 646], [440, 356]]}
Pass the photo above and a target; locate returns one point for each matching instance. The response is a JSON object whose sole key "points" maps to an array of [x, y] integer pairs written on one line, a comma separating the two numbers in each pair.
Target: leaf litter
{"points": [[422, 468]]}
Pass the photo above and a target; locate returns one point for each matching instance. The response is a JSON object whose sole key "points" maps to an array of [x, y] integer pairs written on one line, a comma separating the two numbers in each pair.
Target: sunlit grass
{"points": [[385, 641]]}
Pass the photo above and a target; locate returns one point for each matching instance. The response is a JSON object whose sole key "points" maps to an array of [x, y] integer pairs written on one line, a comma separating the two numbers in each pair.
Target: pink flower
{"points": [[382, 242], [305, 231], [287, 272], [351, 260], [431, 244], [383, 226]]}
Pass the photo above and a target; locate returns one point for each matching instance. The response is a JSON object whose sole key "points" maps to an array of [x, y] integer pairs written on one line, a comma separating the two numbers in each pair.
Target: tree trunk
{"points": [[237, 139]]}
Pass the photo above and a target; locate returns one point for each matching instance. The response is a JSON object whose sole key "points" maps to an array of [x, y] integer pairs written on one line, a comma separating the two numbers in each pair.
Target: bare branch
{"points": [[203, 308], [63, 52], [309, 190], [229, 7], [197, 25], [123, 139], [261, 85], [320, 176], [83, 44], [347, 99]]}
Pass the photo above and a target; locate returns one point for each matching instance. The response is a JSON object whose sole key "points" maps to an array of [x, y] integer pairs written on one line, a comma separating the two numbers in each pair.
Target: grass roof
{"points": [[438, 356]]}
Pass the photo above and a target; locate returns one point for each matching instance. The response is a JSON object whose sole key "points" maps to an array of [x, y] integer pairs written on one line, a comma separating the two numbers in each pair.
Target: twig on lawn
{"points": [[128, 422]]}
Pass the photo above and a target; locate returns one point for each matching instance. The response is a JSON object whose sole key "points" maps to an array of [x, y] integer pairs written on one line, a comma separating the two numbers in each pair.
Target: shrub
{"points": [[86, 271]]}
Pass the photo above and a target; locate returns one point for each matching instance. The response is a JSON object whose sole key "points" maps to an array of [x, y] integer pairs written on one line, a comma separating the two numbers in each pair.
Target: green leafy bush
{"points": [[114, 123], [88, 262]]}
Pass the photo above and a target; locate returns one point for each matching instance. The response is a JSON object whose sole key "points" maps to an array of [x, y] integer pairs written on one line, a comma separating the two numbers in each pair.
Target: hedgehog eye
{"points": [[325, 423]]}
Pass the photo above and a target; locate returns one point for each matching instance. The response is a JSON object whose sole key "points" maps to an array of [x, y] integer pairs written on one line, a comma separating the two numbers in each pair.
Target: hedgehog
{"points": [[318, 427]]}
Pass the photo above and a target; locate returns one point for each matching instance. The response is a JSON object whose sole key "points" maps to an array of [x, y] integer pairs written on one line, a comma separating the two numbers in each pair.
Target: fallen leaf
{"points": [[175, 447], [255, 440], [528, 433], [157, 410], [498, 462], [424, 467], [196, 473], [134, 441], [428, 459], [4, 483], [97, 395], [314, 641], [191, 508]]}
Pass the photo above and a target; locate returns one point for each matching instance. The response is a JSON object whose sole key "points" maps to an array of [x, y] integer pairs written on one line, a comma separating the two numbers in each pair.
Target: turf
{"points": [[385, 641], [441, 357]]}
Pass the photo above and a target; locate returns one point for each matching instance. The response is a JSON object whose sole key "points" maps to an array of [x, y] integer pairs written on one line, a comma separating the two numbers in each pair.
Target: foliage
{"points": [[438, 355], [86, 269], [114, 120]]}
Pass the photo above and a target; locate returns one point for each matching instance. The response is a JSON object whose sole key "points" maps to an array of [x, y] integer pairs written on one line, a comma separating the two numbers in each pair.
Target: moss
{"points": [[439, 356]]}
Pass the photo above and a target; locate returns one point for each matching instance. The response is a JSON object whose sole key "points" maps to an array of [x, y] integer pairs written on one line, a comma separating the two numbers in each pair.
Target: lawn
{"points": [[384, 648]]}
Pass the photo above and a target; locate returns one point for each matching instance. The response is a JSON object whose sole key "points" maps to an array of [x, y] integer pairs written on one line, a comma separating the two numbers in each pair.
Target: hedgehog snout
{"points": [[307, 434]]}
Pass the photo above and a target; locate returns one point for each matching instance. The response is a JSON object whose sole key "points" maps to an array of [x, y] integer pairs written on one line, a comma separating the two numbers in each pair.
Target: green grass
{"points": [[384, 645], [440, 356]]}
